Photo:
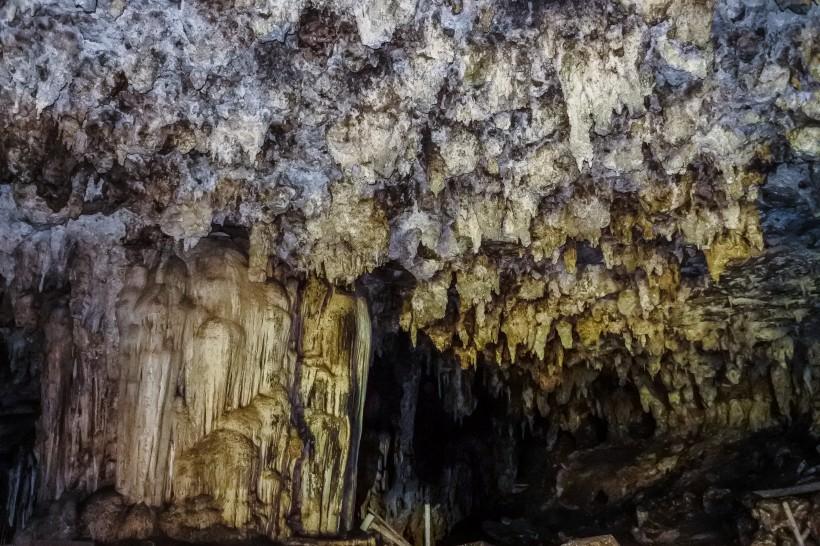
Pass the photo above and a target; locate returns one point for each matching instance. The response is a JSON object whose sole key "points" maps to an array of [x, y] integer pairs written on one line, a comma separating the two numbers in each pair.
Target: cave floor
{"points": [[683, 492], [656, 491]]}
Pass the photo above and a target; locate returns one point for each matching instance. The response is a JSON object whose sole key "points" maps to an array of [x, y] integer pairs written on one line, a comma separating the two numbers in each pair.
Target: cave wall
{"points": [[611, 205]]}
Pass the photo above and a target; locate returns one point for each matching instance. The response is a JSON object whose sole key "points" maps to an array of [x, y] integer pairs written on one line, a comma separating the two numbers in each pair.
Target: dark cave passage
{"points": [[508, 476], [431, 434]]}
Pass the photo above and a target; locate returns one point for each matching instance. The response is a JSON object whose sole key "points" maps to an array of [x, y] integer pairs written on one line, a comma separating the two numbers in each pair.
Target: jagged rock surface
{"points": [[213, 398], [574, 192]]}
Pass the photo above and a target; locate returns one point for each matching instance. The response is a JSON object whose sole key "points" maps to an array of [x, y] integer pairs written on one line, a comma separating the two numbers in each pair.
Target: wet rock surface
{"points": [[590, 226]]}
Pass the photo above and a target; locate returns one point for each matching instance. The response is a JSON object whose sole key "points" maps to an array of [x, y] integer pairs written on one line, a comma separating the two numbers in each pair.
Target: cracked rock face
{"points": [[191, 192]]}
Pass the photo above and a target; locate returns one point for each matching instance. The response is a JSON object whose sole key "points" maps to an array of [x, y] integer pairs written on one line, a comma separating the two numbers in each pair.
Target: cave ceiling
{"points": [[598, 182]]}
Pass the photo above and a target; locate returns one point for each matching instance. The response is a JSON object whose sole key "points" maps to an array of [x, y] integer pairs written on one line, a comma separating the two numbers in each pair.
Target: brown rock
{"points": [[102, 515], [603, 540], [140, 523]]}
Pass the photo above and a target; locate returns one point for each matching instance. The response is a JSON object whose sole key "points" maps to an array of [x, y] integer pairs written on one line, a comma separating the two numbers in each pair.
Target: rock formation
{"points": [[210, 212], [215, 397]]}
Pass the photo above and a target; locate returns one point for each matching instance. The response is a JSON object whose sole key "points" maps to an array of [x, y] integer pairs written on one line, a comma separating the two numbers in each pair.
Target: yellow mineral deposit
{"points": [[211, 374]]}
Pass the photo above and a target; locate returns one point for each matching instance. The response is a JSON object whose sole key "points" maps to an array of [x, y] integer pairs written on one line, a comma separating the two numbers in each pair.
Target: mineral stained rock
{"points": [[212, 401], [192, 192]]}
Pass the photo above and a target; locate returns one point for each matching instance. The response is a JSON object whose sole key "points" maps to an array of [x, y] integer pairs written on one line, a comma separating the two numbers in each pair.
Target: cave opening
{"points": [[501, 461], [429, 434], [435, 433]]}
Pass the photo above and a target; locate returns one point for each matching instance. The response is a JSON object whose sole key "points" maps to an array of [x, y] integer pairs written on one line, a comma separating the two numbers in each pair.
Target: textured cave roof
{"points": [[639, 177]]}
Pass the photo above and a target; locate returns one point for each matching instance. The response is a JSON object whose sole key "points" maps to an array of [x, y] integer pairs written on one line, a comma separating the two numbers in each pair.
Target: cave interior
{"points": [[410, 272]]}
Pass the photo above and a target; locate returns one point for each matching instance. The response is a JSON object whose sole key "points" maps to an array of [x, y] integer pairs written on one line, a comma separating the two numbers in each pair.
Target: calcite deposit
{"points": [[213, 401], [213, 214]]}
